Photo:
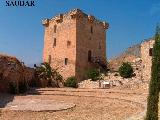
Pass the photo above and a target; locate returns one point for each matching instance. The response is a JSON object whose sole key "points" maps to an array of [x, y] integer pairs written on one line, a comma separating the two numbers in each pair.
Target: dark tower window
{"points": [[66, 61], [91, 29], [49, 59], [89, 56], [68, 43], [54, 42], [150, 51], [55, 28]]}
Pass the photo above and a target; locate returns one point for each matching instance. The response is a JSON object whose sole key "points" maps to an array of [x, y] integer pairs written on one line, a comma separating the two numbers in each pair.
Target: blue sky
{"points": [[131, 21]]}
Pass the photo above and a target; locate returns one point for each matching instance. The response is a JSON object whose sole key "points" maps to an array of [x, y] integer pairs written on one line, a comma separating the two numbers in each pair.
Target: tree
{"points": [[126, 70], [45, 72], [154, 87]]}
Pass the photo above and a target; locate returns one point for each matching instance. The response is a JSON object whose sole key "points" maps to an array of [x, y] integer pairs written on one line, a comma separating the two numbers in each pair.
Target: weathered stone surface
{"points": [[70, 40], [115, 63], [146, 46], [12, 71], [88, 84], [140, 58]]}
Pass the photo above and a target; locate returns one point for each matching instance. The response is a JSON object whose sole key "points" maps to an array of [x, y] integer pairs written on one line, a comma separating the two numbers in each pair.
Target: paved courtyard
{"points": [[79, 104], [38, 105]]}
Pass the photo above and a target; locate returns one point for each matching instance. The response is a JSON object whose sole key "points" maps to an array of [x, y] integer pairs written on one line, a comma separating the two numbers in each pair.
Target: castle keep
{"points": [[74, 42]]}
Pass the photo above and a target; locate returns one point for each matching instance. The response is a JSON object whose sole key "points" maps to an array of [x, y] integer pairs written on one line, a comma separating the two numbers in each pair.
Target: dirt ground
{"points": [[91, 104]]}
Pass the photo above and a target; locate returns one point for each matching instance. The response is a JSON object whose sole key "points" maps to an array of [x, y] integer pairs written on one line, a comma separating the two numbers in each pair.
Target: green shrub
{"points": [[71, 82], [93, 74], [126, 70]]}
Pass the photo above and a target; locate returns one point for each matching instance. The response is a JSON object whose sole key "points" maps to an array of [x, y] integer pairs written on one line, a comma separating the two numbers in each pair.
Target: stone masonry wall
{"points": [[146, 59], [76, 34], [12, 71], [65, 31], [91, 36]]}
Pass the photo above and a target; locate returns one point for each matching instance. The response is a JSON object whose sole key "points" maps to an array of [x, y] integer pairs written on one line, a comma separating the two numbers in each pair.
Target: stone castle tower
{"points": [[74, 42]]}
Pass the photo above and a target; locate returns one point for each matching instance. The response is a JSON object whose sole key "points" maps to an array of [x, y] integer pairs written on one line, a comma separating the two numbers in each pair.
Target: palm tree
{"points": [[48, 75], [44, 71]]}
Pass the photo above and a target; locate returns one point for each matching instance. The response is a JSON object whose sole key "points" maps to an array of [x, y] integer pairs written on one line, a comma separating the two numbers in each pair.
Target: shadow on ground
{"points": [[33, 91], [5, 99]]}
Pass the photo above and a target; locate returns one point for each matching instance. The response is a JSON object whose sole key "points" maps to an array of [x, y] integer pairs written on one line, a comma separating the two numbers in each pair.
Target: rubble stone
{"points": [[12, 71]]}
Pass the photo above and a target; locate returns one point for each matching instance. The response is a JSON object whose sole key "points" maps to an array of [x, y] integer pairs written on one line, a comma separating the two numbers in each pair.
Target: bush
{"points": [[93, 74], [71, 82], [126, 70]]}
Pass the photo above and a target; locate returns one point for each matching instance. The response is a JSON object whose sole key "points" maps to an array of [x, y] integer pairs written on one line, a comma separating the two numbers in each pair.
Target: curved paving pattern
{"points": [[91, 104], [38, 105]]}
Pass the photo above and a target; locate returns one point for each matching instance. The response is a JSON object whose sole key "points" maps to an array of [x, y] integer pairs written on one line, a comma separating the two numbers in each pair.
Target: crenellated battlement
{"points": [[75, 14]]}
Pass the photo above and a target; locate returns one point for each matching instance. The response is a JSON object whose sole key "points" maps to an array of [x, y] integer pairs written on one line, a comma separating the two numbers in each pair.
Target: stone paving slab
{"points": [[38, 105]]}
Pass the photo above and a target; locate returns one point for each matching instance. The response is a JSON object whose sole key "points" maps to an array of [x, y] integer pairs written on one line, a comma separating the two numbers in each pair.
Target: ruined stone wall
{"points": [[146, 59], [11, 71], [74, 38], [89, 84]]}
